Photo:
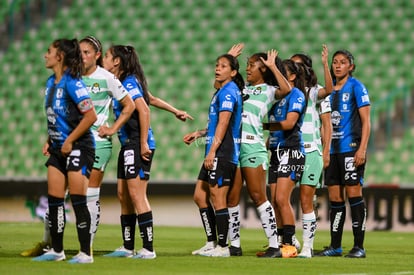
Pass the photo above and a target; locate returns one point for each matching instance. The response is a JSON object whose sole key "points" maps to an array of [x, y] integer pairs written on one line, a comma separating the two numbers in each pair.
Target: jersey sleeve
{"points": [[79, 93], [297, 102], [227, 100], [361, 94], [325, 106], [133, 88], [116, 88]]}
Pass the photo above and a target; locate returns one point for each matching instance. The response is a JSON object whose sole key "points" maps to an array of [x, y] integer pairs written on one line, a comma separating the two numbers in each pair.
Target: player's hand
{"points": [[271, 57], [182, 115], [190, 138], [360, 157], [209, 161], [325, 54], [45, 149], [145, 151], [236, 49], [105, 131], [66, 148]]}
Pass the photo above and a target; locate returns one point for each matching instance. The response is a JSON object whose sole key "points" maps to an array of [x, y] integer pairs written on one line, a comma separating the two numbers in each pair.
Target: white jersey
{"points": [[102, 87], [257, 101], [311, 133]]}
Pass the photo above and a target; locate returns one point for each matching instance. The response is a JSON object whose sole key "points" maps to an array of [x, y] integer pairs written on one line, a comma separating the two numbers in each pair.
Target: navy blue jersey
{"points": [[130, 131], [65, 103], [293, 102], [228, 98], [346, 122]]}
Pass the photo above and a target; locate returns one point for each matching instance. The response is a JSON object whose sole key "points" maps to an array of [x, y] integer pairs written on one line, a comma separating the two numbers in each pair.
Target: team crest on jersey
{"points": [[345, 97], [95, 88], [335, 117], [282, 102], [59, 93]]}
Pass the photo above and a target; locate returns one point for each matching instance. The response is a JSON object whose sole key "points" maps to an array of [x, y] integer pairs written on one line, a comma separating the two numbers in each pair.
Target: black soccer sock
{"points": [[359, 215], [83, 222], [57, 221], [337, 217], [280, 233], [146, 229], [222, 220], [288, 232], [208, 218], [128, 223]]}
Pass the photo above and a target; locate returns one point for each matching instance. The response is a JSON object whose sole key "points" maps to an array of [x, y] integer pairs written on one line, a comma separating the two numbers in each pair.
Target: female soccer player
{"points": [[318, 111], [345, 174], [266, 83], [70, 147], [222, 149], [287, 152]]}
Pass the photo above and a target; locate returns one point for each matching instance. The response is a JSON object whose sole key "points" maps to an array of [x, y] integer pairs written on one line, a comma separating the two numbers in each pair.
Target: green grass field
{"points": [[387, 253]]}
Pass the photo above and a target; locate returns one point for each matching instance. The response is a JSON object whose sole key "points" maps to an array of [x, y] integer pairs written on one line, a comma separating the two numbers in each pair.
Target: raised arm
{"points": [[284, 86], [327, 90]]}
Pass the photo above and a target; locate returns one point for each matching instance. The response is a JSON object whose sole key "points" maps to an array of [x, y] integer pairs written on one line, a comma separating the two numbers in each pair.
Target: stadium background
{"points": [[178, 41]]}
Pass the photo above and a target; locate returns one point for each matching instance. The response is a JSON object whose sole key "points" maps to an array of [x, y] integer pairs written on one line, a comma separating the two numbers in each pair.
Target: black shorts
{"points": [[131, 165], [286, 162], [341, 170], [222, 175], [79, 159]]}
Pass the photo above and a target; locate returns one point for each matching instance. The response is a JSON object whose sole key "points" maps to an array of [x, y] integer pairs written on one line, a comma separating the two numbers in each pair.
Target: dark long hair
{"points": [[310, 75], [268, 77], [72, 57], [130, 65], [298, 70], [96, 44], [234, 65]]}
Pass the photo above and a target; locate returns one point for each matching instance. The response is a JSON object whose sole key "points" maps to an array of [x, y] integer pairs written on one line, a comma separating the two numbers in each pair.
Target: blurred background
{"points": [[178, 42]]}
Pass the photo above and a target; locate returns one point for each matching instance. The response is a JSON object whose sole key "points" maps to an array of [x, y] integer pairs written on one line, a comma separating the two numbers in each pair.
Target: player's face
{"points": [[52, 59], [253, 73], [89, 57], [224, 73], [341, 66], [108, 61]]}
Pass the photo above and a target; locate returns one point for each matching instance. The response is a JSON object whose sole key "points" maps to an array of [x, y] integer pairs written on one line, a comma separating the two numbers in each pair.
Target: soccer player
{"points": [[318, 111], [287, 152], [70, 147], [222, 134], [266, 83], [345, 174]]}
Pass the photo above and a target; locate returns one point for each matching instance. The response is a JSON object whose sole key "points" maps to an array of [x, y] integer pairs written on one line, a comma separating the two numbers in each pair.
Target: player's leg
{"points": [[233, 205]]}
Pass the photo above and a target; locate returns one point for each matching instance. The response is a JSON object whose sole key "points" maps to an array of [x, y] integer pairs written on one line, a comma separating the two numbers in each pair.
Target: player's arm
{"points": [[284, 125], [162, 104], [360, 154], [191, 137], [222, 125], [89, 117], [284, 86], [326, 135], [327, 90], [144, 122], [128, 108]]}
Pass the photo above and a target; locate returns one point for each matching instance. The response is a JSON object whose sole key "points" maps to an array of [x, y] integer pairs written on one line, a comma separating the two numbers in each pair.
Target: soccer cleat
{"points": [[50, 256], [219, 251], [81, 258], [145, 254], [356, 252], [235, 251], [289, 251], [296, 243], [39, 249], [121, 252], [270, 252], [306, 252], [207, 247], [330, 251]]}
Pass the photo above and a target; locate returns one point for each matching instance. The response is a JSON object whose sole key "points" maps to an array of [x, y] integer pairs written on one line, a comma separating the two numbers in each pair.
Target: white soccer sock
{"points": [[268, 218], [46, 232], [234, 225], [309, 229], [94, 208]]}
